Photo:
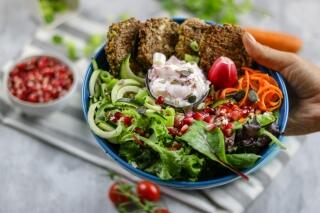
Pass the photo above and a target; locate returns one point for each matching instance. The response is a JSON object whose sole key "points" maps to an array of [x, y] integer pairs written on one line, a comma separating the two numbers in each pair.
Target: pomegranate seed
{"points": [[118, 115], [160, 100], [139, 131], [209, 119], [244, 113], [227, 126], [227, 132], [177, 123], [184, 128], [21, 66], [209, 110], [187, 120], [35, 80], [33, 98], [42, 62], [235, 115], [172, 131], [198, 116], [127, 120], [224, 110], [47, 71]]}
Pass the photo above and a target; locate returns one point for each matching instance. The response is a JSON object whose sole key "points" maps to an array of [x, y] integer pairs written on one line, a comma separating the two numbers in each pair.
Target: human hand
{"points": [[303, 82]]}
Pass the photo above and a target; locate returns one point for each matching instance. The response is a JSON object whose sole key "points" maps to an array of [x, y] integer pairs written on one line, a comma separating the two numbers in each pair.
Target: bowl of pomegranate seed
{"points": [[40, 84]]}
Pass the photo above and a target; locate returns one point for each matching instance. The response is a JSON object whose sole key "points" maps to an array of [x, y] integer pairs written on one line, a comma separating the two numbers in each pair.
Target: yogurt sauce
{"points": [[180, 83]]}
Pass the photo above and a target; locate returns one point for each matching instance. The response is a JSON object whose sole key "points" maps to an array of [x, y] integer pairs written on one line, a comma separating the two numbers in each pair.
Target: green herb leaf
{"points": [[216, 142], [194, 46], [243, 160], [220, 102], [191, 58], [273, 138], [265, 118], [236, 125]]}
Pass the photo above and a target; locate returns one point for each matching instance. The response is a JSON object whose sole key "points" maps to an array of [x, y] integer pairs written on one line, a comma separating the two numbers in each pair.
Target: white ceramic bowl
{"points": [[41, 109]]}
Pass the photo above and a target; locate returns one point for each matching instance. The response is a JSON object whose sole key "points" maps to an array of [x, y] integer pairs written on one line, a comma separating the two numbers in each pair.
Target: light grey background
{"points": [[37, 178]]}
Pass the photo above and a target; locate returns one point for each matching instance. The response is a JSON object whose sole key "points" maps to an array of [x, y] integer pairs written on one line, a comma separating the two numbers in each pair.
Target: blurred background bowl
{"points": [[111, 149], [46, 108]]}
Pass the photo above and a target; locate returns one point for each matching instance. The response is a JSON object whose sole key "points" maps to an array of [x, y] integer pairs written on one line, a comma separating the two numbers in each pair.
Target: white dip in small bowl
{"points": [[180, 83]]}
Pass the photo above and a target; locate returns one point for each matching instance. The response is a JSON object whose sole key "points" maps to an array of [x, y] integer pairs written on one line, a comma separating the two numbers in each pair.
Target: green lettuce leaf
{"points": [[266, 118], [173, 164], [243, 160]]}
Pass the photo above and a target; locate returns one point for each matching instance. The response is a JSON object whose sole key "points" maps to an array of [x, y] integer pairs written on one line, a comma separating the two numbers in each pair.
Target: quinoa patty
{"points": [[189, 31], [156, 35], [121, 40], [226, 41]]}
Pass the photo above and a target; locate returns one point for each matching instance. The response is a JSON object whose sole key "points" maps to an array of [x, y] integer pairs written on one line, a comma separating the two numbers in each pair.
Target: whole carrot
{"points": [[277, 40]]}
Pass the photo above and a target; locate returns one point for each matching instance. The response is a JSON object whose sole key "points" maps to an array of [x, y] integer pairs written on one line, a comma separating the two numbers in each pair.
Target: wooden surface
{"points": [[38, 178]]}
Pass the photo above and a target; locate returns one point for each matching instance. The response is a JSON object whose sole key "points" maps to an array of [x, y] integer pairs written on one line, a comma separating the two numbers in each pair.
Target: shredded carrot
{"points": [[227, 91], [268, 92]]}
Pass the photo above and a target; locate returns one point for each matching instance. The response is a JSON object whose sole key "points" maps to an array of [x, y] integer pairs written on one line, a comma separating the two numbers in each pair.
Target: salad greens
{"points": [[123, 112]]}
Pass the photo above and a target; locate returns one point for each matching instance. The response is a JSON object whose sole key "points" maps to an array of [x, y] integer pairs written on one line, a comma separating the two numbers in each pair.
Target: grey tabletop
{"points": [[37, 178]]}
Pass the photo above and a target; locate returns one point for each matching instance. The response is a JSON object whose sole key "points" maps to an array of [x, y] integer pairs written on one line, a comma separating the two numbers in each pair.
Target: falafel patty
{"points": [[156, 35], [225, 41], [121, 40], [189, 31]]}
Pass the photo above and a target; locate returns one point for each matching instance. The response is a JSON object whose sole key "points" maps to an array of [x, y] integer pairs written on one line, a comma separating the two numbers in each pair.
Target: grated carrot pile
{"points": [[268, 92]]}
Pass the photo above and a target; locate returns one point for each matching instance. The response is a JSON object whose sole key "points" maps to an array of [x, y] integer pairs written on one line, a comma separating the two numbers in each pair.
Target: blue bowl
{"points": [[110, 148]]}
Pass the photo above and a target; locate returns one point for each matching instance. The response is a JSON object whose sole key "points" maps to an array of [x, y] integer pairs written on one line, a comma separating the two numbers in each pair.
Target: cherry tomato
{"points": [[163, 210], [148, 191], [115, 196]]}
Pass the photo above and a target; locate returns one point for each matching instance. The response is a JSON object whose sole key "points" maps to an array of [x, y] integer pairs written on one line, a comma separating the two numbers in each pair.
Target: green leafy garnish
{"points": [[173, 163], [194, 46], [243, 160], [265, 118], [191, 58], [274, 139], [211, 144]]}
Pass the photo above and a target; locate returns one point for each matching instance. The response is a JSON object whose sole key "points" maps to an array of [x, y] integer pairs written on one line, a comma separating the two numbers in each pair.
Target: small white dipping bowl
{"points": [[41, 109]]}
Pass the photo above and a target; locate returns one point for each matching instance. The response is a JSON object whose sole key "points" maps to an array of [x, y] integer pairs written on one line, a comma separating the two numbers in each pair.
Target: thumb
{"points": [[266, 56]]}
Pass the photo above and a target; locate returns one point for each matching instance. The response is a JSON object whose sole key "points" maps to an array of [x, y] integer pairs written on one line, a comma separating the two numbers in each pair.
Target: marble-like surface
{"points": [[37, 178]]}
